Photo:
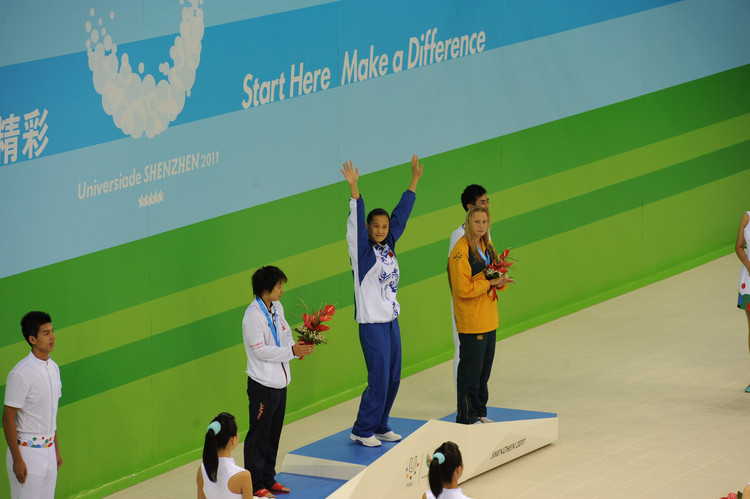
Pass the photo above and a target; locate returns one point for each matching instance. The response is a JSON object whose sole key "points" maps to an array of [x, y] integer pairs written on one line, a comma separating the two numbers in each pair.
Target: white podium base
{"points": [[400, 469]]}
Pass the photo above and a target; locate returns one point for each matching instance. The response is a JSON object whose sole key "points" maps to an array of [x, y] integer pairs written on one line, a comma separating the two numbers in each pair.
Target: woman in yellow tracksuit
{"points": [[475, 309]]}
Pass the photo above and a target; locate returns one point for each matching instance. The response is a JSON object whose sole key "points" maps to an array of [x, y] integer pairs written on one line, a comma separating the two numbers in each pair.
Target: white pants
{"points": [[41, 476], [456, 346]]}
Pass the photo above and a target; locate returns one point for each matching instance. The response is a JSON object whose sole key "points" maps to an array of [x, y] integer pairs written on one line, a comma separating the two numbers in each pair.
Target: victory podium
{"points": [[338, 468]]}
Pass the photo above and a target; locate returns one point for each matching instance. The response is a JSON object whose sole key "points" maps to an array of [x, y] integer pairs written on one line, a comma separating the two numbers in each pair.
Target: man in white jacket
{"points": [[269, 346]]}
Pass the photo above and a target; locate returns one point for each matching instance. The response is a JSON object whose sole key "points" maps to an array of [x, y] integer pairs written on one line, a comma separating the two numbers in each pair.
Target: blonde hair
{"points": [[485, 237]]}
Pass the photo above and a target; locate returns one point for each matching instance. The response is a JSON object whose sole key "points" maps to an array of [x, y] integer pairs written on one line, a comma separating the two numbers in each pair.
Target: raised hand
{"points": [[416, 168], [416, 173], [351, 174]]}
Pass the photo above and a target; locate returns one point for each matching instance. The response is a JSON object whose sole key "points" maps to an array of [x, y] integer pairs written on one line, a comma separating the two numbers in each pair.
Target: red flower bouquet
{"points": [[311, 331], [498, 267], [732, 495]]}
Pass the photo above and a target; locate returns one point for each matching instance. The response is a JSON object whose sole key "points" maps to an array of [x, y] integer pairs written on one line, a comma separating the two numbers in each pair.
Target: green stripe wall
{"points": [[149, 335]]}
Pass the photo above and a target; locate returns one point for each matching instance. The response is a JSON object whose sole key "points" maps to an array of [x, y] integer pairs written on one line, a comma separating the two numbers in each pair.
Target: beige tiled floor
{"points": [[648, 387]]}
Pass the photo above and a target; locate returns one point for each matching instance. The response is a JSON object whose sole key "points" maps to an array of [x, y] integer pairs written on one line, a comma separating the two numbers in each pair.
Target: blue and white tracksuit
{"points": [[376, 276]]}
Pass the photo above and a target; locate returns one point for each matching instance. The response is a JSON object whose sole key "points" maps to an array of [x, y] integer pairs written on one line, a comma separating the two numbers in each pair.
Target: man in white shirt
{"points": [[32, 393], [473, 195]]}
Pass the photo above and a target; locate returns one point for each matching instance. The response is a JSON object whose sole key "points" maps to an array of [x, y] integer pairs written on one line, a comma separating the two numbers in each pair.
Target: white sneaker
{"points": [[485, 420], [391, 436], [478, 421], [366, 441]]}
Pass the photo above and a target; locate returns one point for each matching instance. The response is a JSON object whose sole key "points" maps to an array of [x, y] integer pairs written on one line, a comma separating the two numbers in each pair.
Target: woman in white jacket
{"points": [[269, 346]]}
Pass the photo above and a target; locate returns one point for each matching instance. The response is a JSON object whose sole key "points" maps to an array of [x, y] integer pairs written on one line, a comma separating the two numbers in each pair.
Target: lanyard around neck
{"points": [[271, 324], [485, 256]]}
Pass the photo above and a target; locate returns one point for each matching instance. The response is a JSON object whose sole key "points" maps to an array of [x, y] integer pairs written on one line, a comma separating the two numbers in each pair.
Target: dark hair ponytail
{"points": [[215, 441], [442, 472]]}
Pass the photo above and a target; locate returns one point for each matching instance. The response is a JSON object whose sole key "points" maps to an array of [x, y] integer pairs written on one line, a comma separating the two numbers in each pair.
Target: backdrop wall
{"points": [[144, 177]]}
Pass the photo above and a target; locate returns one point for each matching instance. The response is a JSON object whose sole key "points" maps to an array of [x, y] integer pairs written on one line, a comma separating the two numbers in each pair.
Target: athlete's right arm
{"points": [[11, 436]]}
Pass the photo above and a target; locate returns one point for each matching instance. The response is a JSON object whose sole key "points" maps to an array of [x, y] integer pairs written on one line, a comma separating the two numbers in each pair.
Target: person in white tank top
{"points": [[446, 467], [742, 248], [219, 477]]}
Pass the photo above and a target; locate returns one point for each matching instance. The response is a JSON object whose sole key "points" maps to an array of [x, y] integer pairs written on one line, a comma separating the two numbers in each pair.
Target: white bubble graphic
{"points": [[138, 105]]}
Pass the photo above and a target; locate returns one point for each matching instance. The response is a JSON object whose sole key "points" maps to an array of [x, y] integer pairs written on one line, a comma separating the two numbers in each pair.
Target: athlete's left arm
{"points": [[402, 211]]}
